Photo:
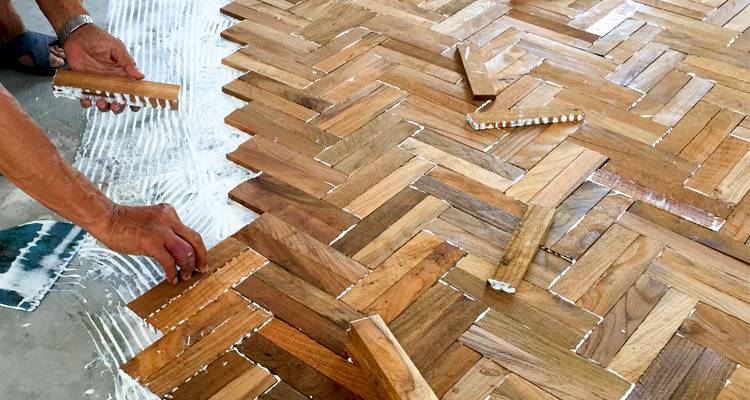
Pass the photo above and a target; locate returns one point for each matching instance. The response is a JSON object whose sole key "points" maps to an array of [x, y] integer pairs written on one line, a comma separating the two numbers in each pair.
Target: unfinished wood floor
{"points": [[377, 197]]}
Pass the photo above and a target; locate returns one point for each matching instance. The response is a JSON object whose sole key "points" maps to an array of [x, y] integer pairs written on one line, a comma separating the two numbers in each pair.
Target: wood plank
{"points": [[376, 148], [400, 232], [575, 243], [433, 323], [206, 350], [319, 315], [477, 208], [592, 265], [481, 380], [389, 186], [515, 387], [300, 376], [302, 255], [318, 357], [390, 271], [652, 334], [620, 323], [398, 297], [368, 176], [313, 216], [450, 367], [706, 378], [668, 370], [251, 384], [573, 209], [532, 357], [738, 385], [544, 172], [623, 273], [206, 290], [522, 248], [339, 18], [719, 331], [161, 294], [389, 369], [476, 72], [683, 101], [217, 374]]}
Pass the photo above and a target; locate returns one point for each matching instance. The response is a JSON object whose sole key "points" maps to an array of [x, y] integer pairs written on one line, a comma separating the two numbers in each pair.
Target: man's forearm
{"points": [[11, 24], [58, 12], [32, 162]]}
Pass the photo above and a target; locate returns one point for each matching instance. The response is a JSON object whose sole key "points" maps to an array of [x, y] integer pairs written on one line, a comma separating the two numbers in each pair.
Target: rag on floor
{"points": [[32, 258]]}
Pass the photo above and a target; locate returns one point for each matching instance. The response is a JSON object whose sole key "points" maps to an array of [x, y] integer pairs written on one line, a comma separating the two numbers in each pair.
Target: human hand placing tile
{"points": [[154, 231]]}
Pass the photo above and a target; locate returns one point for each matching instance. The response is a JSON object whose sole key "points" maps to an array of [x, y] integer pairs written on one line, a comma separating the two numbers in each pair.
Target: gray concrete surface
{"points": [[46, 354]]}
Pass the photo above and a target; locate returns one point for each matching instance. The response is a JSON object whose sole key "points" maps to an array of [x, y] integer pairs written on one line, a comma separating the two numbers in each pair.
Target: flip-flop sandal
{"points": [[37, 46]]}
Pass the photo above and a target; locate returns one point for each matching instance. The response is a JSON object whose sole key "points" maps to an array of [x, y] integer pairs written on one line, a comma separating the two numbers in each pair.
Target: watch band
{"points": [[73, 24]]}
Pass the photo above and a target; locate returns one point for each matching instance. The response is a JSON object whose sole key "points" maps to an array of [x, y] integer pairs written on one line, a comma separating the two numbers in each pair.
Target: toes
{"points": [[57, 51], [86, 103], [55, 61], [102, 105]]}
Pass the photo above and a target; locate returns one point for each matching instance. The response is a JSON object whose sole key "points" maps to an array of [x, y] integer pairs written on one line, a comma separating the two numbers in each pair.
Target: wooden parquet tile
{"points": [[377, 197]]}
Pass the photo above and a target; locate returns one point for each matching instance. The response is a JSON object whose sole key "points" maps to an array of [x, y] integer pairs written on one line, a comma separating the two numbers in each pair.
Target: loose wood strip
{"points": [[522, 248], [476, 72], [206, 290], [652, 334], [391, 372], [132, 92], [523, 117]]}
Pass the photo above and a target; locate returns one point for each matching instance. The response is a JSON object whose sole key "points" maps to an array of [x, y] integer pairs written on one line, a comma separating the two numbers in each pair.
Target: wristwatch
{"points": [[71, 26]]}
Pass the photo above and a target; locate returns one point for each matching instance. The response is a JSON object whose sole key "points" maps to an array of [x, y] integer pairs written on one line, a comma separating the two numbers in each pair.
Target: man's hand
{"points": [[90, 49], [154, 231]]}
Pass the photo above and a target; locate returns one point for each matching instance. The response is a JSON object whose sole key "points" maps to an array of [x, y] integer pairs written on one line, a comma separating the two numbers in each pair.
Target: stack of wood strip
{"points": [[376, 198]]}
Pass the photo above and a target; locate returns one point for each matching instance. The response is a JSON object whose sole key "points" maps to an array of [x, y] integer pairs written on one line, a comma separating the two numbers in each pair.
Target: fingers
{"points": [[126, 62], [196, 242], [182, 253], [167, 262]]}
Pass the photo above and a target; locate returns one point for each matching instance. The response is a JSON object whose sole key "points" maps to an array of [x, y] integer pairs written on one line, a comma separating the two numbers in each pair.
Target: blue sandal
{"points": [[37, 46]]}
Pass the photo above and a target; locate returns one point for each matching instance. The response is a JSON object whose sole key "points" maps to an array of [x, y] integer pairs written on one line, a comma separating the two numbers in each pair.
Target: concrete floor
{"points": [[44, 354]]}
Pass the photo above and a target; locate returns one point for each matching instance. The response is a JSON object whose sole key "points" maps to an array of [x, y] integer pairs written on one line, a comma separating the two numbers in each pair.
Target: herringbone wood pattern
{"points": [[376, 197]]}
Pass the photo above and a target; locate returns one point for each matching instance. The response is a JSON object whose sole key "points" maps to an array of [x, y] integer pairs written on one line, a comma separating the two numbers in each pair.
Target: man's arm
{"points": [[32, 162]]}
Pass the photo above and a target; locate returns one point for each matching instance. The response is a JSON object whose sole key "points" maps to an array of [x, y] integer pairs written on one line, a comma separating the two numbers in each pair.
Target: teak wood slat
{"points": [[390, 371]]}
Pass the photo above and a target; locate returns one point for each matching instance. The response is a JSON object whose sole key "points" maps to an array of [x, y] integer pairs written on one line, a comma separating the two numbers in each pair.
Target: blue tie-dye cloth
{"points": [[32, 257]]}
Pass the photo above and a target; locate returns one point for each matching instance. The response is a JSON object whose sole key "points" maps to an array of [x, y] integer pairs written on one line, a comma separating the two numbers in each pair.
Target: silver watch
{"points": [[73, 24]]}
